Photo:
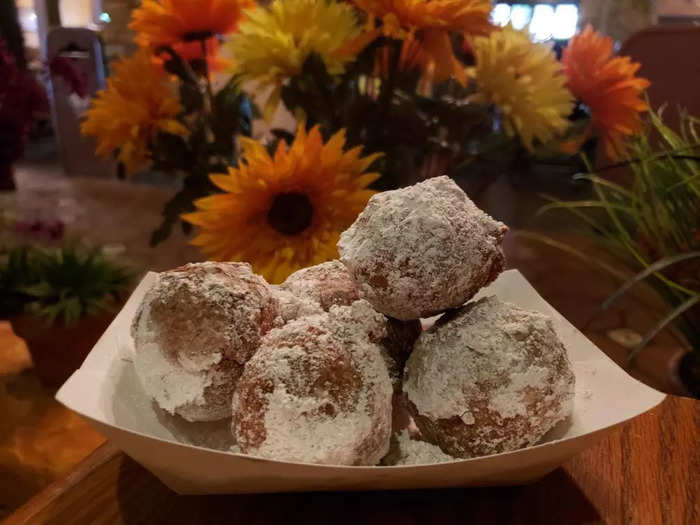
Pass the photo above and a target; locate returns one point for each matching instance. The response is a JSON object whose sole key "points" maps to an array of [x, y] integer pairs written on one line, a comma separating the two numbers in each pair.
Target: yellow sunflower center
{"points": [[290, 213]]}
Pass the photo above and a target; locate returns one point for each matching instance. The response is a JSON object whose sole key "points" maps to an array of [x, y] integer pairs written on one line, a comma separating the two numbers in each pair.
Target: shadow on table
{"points": [[556, 499]]}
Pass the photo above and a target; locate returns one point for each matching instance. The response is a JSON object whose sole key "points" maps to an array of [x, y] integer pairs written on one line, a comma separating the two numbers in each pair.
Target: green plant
{"points": [[66, 284], [18, 269], [652, 223]]}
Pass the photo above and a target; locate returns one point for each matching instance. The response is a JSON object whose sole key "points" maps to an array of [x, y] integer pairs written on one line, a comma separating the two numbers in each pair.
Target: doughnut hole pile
{"points": [[333, 367], [194, 332]]}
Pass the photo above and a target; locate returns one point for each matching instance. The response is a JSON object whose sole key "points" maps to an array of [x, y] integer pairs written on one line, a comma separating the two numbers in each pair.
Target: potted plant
{"points": [[649, 221], [60, 302]]}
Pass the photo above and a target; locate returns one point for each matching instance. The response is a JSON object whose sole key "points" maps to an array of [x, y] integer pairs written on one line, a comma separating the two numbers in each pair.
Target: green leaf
{"points": [[600, 265], [191, 97], [176, 65], [170, 153], [649, 270], [232, 115], [663, 323], [194, 186], [582, 204]]}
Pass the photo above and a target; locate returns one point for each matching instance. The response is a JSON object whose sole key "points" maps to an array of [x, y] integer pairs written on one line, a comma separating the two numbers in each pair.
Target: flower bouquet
{"points": [[386, 93]]}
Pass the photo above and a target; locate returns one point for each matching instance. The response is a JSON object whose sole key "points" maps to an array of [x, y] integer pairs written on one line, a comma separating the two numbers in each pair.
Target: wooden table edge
{"points": [[57, 489], [41, 506]]}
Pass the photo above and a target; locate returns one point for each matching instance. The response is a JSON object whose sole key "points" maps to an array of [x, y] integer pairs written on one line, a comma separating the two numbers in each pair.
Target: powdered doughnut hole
{"points": [[421, 250], [488, 378], [315, 392], [327, 284], [193, 333]]}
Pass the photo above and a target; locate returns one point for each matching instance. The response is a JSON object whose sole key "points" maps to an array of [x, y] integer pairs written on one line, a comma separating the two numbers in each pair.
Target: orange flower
{"points": [[193, 51], [166, 22], [138, 103], [424, 27], [468, 16], [413, 55], [608, 86]]}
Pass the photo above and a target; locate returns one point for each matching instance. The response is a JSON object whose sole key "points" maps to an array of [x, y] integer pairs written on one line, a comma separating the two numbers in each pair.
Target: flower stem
{"points": [[388, 87], [209, 94]]}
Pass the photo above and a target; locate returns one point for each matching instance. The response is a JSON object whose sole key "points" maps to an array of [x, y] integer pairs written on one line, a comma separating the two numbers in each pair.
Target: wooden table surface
{"points": [[647, 472]]}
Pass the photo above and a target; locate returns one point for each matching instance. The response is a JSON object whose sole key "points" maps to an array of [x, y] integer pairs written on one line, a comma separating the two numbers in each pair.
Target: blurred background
{"points": [[57, 194]]}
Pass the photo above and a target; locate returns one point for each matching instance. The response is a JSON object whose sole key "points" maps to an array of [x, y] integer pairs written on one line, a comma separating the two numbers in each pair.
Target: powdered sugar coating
{"points": [[319, 288], [395, 338], [409, 451], [316, 289], [357, 322], [317, 391], [293, 307], [488, 378], [193, 333], [327, 284], [421, 250]]}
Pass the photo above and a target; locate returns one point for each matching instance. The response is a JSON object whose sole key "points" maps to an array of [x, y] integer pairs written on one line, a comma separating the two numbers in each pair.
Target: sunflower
{"points": [[166, 22], [524, 80], [608, 86], [286, 211], [424, 27], [273, 43], [137, 103]]}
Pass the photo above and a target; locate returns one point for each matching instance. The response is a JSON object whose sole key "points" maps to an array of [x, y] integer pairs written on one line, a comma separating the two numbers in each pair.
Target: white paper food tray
{"points": [[107, 392]]}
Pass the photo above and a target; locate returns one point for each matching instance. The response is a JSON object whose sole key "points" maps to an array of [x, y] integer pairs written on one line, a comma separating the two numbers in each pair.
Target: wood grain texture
{"points": [[647, 472]]}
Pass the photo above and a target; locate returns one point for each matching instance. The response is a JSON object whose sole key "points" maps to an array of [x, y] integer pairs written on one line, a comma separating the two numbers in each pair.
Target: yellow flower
{"points": [[167, 22], [137, 103], [273, 43], [609, 86], [525, 81], [286, 211], [424, 27]]}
